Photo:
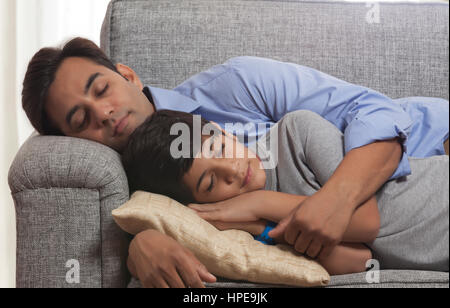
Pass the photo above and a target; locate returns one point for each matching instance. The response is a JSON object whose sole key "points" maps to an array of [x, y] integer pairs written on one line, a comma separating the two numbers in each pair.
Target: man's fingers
{"points": [[292, 232], [147, 285], [190, 271], [190, 278], [205, 275], [173, 279], [202, 271], [280, 228], [314, 248], [302, 243], [159, 282]]}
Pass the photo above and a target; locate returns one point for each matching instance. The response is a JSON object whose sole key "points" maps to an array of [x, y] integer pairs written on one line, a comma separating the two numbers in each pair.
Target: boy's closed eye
{"points": [[212, 184], [218, 155]]}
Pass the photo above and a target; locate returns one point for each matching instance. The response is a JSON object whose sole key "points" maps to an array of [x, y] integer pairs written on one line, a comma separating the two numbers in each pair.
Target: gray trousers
{"points": [[414, 210]]}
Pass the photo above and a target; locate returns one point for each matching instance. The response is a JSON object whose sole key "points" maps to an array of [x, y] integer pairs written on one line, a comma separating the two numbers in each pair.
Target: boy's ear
{"points": [[223, 131], [216, 125], [129, 74]]}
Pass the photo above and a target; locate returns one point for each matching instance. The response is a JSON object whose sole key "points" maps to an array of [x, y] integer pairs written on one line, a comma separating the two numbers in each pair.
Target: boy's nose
{"points": [[230, 171]]}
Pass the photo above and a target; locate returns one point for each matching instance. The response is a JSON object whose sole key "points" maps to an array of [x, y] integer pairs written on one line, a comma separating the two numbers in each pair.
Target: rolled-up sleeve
{"points": [[275, 88], [374, 118]]}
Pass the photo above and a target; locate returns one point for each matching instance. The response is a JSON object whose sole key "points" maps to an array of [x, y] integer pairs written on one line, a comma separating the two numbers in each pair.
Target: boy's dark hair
{"points": [[41, 74], [148, 162]]}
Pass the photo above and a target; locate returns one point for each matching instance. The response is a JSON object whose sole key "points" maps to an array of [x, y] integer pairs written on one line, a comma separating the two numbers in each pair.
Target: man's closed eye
{"points": [[103, 91]]}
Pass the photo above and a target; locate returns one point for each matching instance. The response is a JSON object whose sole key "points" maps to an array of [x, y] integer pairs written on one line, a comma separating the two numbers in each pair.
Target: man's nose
{"points": [[103, 112]]}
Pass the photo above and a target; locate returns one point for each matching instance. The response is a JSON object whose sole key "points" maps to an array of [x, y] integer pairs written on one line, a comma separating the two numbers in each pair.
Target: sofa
{"points": [[64, 189]]}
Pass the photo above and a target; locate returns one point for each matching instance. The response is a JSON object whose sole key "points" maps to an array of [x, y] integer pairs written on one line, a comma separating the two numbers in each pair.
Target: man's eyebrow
{"points": [[90, 81], [88, 85], [201, 179]]}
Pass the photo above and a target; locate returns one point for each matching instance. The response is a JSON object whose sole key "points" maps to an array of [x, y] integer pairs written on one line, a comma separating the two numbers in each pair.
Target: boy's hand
{"points": [[238, 209]]}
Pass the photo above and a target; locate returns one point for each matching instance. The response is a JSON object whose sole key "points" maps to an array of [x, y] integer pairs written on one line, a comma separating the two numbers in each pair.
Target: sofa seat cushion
{"points": [[387, 279]]}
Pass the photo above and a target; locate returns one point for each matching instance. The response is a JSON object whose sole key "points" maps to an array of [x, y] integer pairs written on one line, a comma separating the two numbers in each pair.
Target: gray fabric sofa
{"points": [[64, 189]]}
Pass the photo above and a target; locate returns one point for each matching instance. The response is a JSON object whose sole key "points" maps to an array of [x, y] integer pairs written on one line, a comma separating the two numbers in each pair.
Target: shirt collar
{"points": [[170, 99]]}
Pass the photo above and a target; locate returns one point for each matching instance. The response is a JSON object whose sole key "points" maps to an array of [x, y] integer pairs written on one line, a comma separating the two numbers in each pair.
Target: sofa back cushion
{"points": [[399, 49]]}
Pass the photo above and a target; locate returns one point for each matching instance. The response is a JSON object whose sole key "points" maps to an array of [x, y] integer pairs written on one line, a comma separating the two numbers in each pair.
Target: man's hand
{"points": [[158, 261], [316, 226]]}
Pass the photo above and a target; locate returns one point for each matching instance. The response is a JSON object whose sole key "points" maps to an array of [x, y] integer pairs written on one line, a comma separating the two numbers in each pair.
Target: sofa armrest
{"points": [[64, 190]]}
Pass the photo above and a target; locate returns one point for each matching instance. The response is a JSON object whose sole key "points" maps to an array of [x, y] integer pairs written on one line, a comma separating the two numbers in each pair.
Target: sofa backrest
{"points": [[399, 49]]}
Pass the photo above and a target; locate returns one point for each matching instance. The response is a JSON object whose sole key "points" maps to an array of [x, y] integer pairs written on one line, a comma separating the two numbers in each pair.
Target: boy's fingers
{"points": [[196, 207], [210, 216], [202, 207]]}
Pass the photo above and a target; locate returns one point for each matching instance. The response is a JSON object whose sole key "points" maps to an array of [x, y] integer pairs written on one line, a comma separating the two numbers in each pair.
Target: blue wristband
{"points": [[264, 237]]}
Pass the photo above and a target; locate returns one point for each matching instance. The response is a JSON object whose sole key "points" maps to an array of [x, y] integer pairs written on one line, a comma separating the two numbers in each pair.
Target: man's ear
{"points": [[128, 73]]}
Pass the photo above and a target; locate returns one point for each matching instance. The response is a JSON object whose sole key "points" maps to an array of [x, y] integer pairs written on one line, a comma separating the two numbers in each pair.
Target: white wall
{"points": [[25, 27], [8, 140]]}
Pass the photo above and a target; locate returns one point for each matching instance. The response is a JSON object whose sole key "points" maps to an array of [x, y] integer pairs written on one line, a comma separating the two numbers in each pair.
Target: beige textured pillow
{"points": [[232, 254]]}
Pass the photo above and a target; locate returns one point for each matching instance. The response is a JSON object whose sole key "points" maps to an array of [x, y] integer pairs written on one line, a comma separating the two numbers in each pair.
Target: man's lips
{"points": [[121, 125], [248, 176]]}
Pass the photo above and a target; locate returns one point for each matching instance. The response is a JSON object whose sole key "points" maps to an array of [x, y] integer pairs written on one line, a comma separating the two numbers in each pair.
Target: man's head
{"points": [[77, 91], [217, 169]]}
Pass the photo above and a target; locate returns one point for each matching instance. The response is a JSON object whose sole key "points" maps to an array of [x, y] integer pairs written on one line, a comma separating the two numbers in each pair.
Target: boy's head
{"points": [[168, 155], [77, 91]]}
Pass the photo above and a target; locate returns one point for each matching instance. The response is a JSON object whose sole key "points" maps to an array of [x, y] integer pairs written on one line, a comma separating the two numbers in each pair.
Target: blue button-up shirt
{"points": [[252, 90]]}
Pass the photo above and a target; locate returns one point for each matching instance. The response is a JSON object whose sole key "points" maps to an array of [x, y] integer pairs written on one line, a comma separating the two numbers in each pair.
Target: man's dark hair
{"points": [[148, 162], [41, 74]]}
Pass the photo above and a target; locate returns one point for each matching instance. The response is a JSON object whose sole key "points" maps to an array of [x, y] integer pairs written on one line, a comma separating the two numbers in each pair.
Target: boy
{"points": [[246, 191]]}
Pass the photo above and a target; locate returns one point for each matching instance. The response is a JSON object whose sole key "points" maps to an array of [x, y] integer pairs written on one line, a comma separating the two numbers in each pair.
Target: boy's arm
{"points": [[274, 206], [365, 223]]}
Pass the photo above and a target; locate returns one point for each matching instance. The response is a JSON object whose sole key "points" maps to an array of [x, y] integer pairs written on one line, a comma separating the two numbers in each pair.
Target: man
{"points": [[77, 91]]}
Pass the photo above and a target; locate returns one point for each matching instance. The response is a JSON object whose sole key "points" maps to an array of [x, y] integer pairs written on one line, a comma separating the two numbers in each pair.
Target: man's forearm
{"points": [[363, 171]]}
